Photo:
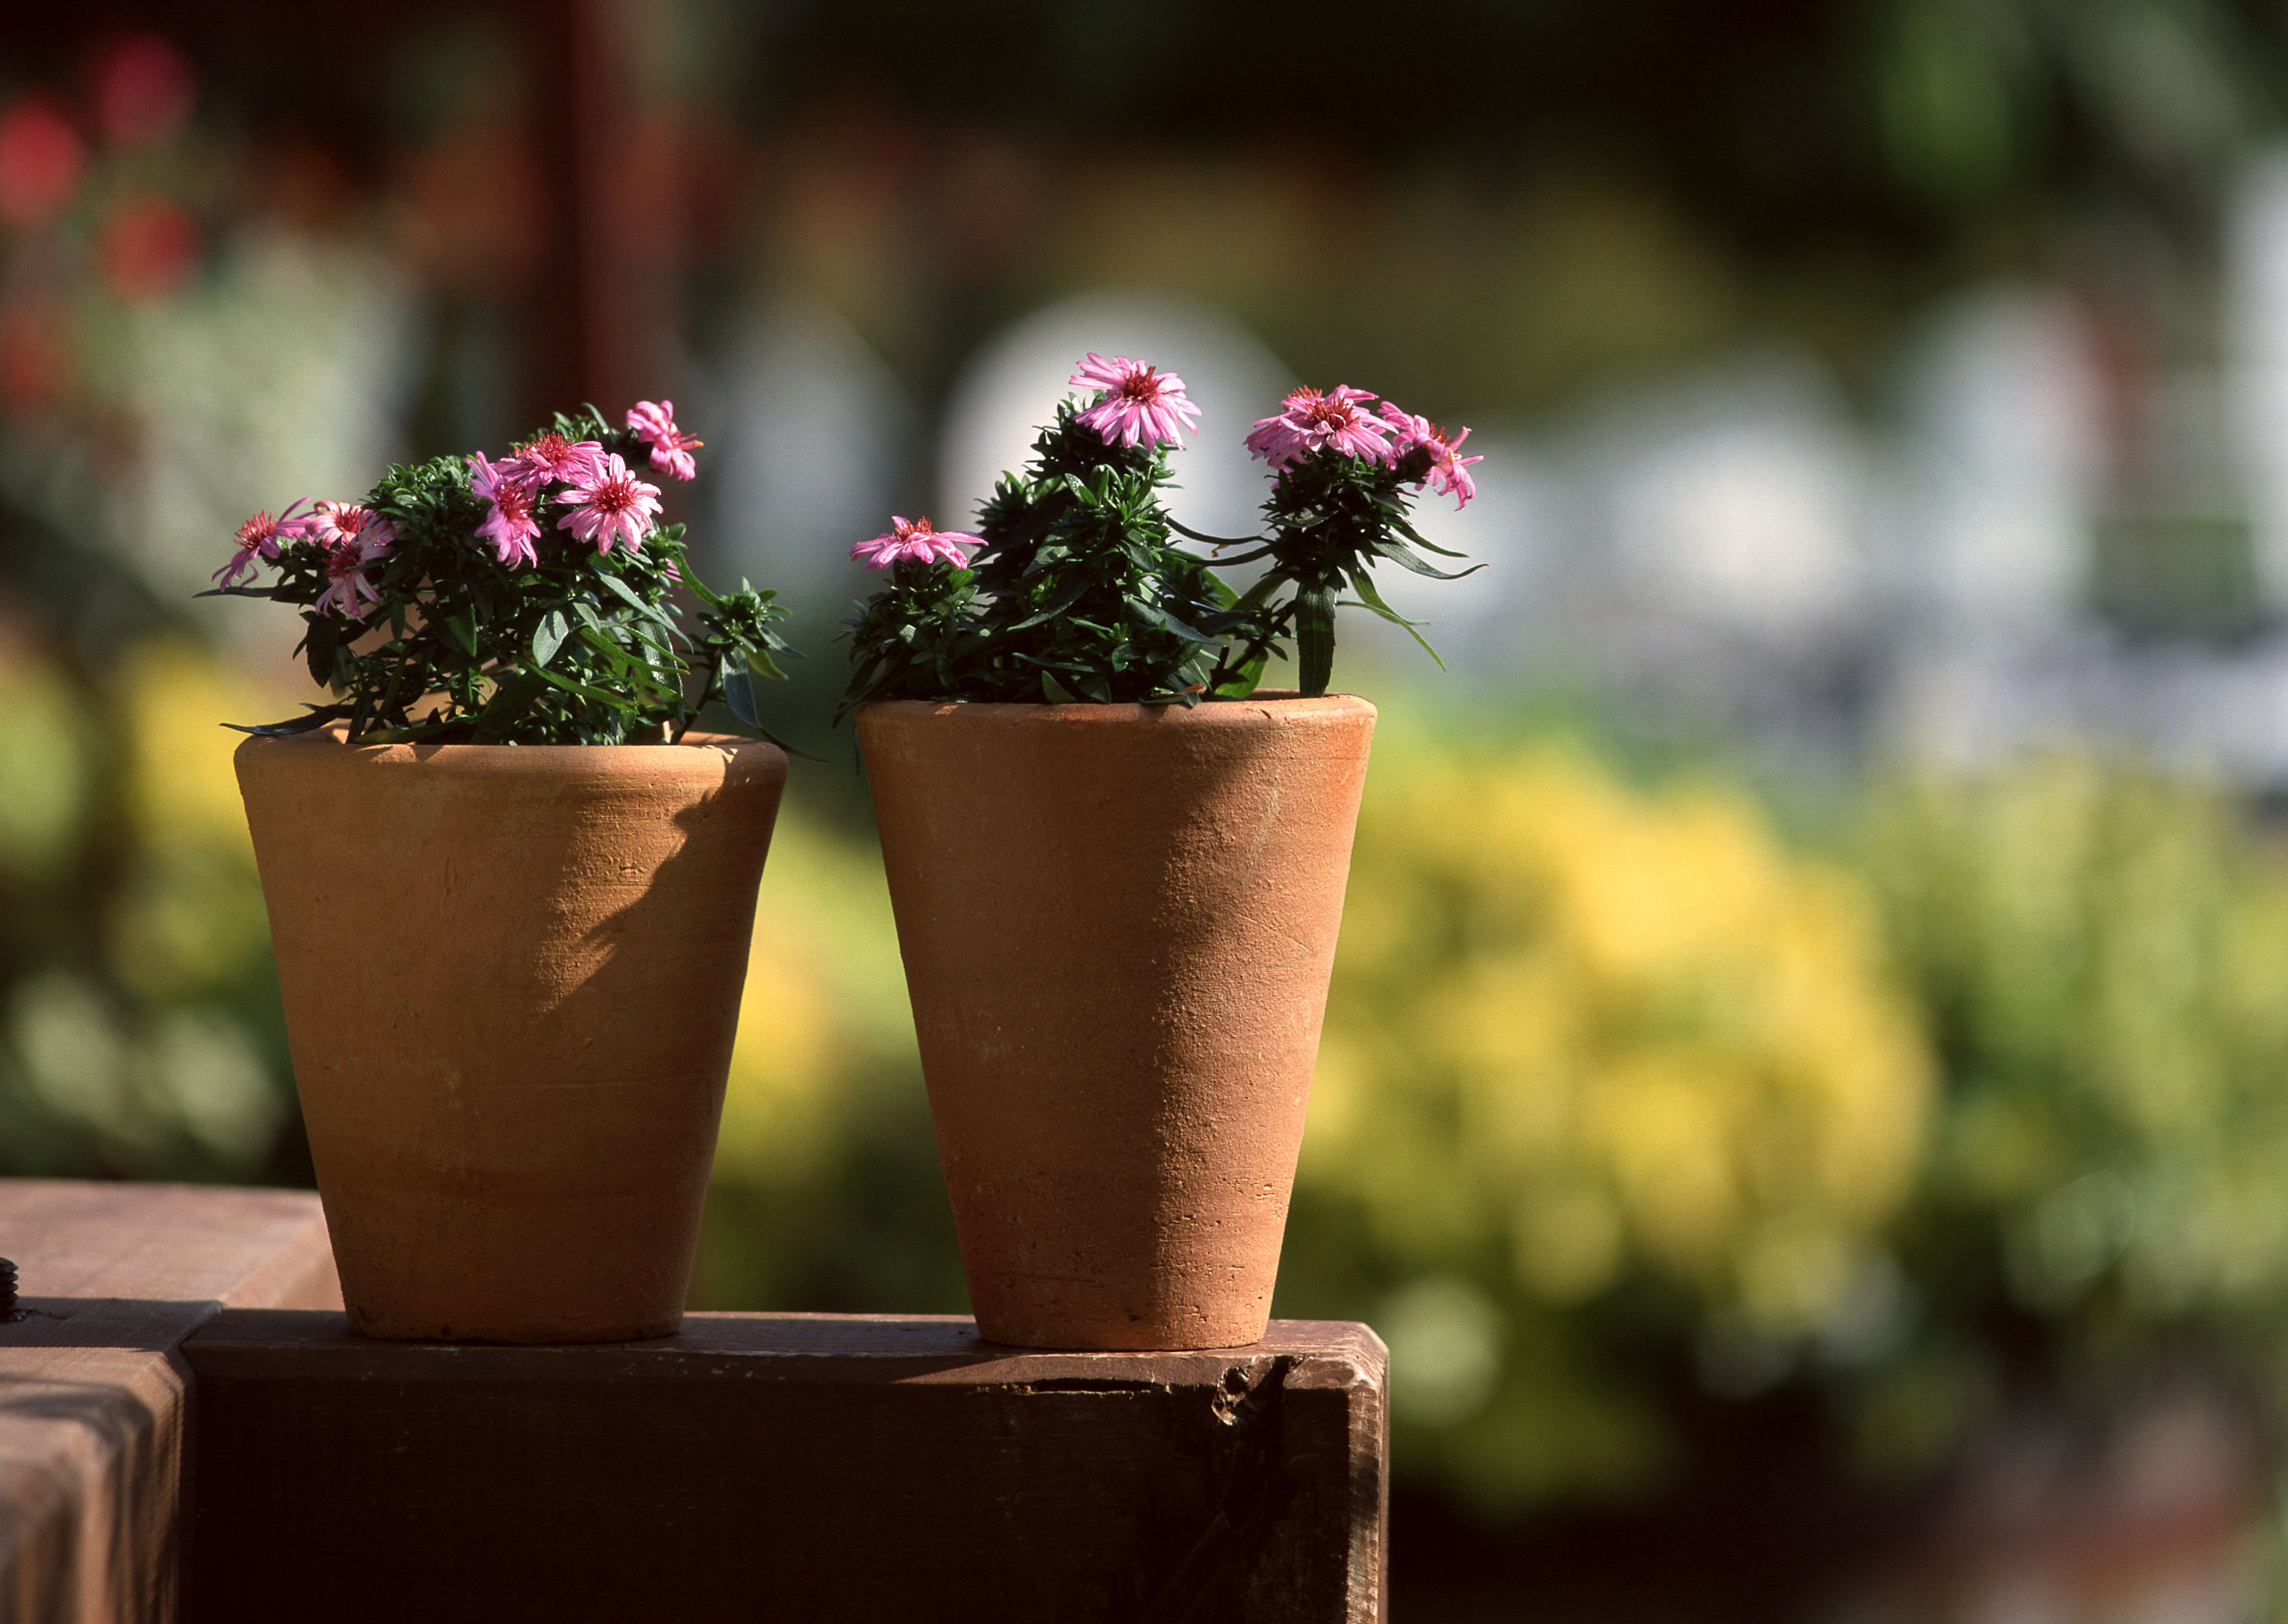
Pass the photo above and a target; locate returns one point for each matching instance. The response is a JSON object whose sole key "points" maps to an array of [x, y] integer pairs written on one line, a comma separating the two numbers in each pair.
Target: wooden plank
{"points": [[92, 1398], [797, 1467]]}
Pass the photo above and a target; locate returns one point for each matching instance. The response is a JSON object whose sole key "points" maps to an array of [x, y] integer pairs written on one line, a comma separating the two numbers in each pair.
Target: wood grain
{"points": [[188, 1429], [792, 1467], [92, 1397]]}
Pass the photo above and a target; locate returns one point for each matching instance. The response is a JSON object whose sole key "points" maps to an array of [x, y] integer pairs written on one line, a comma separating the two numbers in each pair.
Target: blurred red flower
{"points": [[35, 362], [41, 158], [149, 248], [143, 90]]}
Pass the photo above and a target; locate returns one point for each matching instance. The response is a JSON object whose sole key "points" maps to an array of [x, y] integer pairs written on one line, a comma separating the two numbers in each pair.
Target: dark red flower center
{"points": [[547, 451], [1142, 384], [616, 495]]}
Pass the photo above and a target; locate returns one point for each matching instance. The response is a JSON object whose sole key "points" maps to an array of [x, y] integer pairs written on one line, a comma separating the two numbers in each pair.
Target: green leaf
{"points": [[615, 702], [1363, 585], [1315, 639], [1063, 601], [1244, 681], [1214, 540], [507, 706], [613, 656], [759, 661], [1397, 554], [1172, 623], [634, 599], [548, 636], [1425, 542], [739, 693], [322, 644], [1059, 694], [318, 716]]}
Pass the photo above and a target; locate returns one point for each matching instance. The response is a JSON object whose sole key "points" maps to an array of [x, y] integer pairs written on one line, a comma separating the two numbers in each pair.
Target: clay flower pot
{"points": [[1118, 922], [511, 974]]}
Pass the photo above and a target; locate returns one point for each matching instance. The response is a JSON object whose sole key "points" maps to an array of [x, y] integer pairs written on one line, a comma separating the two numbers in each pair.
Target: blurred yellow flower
{"points": [[824, 1006], [181, 788], [1621, 1031], [190, 916], [43, 769]]}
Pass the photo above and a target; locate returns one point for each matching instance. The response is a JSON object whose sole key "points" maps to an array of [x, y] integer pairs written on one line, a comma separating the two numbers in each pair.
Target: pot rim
{"points": [[692, 739], [1278, 705], [697, 759]]}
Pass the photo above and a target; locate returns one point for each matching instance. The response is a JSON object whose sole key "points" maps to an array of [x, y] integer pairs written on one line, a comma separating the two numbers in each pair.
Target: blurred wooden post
{"points": [[598, 325]]}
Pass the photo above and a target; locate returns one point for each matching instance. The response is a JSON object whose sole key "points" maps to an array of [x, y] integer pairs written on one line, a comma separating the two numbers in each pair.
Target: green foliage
{"points": [[141, 1034], [1082, 593], [2099, 952], [1331, 518], [1619, 1099], [580, 647], [1615, 1097], [1079, 593]]}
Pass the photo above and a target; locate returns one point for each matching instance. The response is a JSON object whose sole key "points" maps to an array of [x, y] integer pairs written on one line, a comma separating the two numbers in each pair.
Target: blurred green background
{"points": [[1805, 1092]]}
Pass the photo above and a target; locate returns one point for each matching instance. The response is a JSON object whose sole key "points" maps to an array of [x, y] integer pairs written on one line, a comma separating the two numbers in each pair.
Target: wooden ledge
{"points": [[791, 1347], [188, 1429], [92, 1396], [796, 1466]]}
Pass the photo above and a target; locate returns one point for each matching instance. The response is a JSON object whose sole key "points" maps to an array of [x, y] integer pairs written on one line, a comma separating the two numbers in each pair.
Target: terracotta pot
{"points": [[511, 974], [1118, 922]]}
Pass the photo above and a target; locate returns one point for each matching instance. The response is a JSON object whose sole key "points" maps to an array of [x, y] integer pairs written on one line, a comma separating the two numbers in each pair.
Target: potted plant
{"points": [[510, 886], [1117, 862]]}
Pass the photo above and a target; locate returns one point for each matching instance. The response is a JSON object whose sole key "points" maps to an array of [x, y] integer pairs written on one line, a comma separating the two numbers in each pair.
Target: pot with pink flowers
{"points": [[510, 886], [1117, 858]]}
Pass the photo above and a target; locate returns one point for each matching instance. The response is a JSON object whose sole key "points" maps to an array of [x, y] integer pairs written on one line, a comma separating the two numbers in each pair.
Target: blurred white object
{"points": [[1011, 386], [1735, 501], [1445, 1340], [1489, 622], [806, 432], [287, 375], [2256, 359], [2006, 455]]}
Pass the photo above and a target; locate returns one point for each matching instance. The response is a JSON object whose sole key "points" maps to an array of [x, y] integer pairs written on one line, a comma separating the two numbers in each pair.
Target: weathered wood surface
{"points": [[91, 1395], [783, 1467], [179, 1397]]}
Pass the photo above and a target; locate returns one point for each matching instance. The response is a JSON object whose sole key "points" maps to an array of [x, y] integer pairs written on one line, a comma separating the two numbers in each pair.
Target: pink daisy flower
{"points": [[551, 456], [1308, 422], [611, 504], [335, 524], [257, 538], [1135, 403], [509, 524], [1450, 472], [670, 447], [916, 543], [350, 553]]}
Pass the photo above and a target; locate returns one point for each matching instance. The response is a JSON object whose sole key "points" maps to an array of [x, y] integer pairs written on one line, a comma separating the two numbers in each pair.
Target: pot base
{"points": [[382, 1328]]}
